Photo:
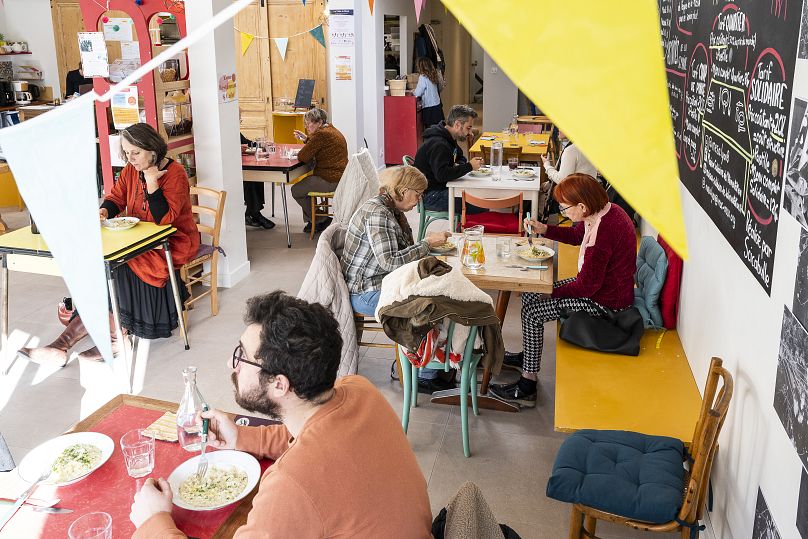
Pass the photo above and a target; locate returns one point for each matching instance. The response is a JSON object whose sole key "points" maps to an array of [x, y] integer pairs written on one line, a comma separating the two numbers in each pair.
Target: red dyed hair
{"points": [[581, 189]]}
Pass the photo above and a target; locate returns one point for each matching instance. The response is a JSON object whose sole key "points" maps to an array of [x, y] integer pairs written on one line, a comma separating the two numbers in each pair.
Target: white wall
{"points": [[499, 97], [30, 21]]}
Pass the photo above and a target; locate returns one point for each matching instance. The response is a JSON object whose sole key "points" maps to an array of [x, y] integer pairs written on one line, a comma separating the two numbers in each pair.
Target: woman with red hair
{"points": [[606, 265]]}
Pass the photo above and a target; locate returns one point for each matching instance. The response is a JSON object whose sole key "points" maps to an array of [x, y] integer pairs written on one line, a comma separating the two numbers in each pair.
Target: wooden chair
{"points": [[193, 272], [369, 323], [320, 207], [702, 452], [494, 222]]}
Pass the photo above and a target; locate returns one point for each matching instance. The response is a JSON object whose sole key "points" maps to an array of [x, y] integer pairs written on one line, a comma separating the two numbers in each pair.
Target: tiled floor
{"points": [[512, 454]]}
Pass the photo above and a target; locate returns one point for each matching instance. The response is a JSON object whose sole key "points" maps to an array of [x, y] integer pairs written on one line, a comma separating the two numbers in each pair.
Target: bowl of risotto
{"points": [[231, 475], [535, 254], [70, 458]]}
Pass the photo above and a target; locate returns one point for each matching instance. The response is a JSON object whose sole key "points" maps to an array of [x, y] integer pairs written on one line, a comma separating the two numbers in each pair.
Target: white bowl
{"points": [[524, 173], [43, 456], [225, 458], [116, 224], [481, 172], [547, 253]]}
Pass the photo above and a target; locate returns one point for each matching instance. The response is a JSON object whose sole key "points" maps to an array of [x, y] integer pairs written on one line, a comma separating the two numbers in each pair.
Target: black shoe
{"points": [[307, 228], [513, 360], [322, 225], [513, 393], [249, 220], [264, 222], [435, 384]]}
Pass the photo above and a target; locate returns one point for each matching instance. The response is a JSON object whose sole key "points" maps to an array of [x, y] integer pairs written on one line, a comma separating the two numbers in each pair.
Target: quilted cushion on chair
{"points": [[652, 267], [669, 297], [495, 222], [634, 475]]}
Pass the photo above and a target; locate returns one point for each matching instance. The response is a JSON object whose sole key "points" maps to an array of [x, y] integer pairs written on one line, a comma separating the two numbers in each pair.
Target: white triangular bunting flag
{"points": [[281, 43]]}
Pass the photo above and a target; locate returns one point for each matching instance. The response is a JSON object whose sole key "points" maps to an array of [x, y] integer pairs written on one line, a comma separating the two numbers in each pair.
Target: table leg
{"points": [[123, 354], [451, 209], [4, 313], [286, 217], [273, 198], [176, 291]]}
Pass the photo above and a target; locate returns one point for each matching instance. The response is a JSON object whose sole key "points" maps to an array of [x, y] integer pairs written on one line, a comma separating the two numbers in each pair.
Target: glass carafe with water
{"points": [[473, 256], [496, 160], [192, 403]]}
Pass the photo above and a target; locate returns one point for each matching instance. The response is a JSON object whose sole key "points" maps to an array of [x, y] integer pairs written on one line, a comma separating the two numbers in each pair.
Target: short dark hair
{"points": [[316, 116], [581, 188], [299, 340], [460, 112], [146, 138]]}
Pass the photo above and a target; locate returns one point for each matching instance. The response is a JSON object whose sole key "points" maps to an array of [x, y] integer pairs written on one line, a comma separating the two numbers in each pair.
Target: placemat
{"points": [[110, 489]]}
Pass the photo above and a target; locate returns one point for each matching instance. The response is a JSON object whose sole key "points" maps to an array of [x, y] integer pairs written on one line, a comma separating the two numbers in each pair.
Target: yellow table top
{"points": [[534, 119], [524, 143], [114, 244]]}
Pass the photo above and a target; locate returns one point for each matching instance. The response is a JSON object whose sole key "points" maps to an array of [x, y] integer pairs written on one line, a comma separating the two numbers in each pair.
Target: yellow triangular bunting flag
{"points": [[613, 102], [246, 41], [370, 3]]}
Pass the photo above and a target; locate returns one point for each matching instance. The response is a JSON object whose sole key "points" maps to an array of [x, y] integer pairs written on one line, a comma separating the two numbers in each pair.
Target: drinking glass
{"points": [[91, 526], [513, 163], [262, 151], [138, 453], [504, 247]]}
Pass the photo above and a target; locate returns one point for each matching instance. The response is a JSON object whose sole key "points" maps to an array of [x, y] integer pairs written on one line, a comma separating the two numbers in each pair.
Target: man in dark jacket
{"points": [[441, 159]]}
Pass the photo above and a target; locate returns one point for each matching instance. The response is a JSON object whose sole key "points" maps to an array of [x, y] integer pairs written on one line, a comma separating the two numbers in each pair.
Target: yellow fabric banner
{"points": [[599, 73], [370, 3], [246, 41]]}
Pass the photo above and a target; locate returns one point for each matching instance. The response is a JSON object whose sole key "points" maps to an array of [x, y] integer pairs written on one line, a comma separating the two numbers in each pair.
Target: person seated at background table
{"points": [[570, 161], [74, 80], [154, 189], [326, 146], [379, 240], [606, 266], [430, 85], [343, 465], [441, 160], [254, 198]]}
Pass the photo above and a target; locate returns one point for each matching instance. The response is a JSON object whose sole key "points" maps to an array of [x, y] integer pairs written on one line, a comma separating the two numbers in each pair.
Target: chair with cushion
{"points": [[639, 480], [320, 207], [425, 216], [669, 296], [468, 382], [494, 222], [652, 268], [193, 272]]}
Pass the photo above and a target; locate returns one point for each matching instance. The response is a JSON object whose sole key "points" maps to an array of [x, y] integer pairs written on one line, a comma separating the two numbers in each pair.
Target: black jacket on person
{"points": [[440, 158]]}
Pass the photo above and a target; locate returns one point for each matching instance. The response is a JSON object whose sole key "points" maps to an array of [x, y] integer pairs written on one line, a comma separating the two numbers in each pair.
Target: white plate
{"points": [[524, 173], [239, 459], [44, 455], [549, 253], [441, 249], [481, 172], [126, 223]]}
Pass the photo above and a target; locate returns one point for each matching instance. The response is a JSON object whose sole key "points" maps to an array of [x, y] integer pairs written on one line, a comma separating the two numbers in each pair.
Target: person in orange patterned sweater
{"points": [[343, 465]]}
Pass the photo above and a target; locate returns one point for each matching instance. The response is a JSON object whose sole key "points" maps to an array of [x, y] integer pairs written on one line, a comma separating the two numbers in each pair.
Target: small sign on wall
{"points": [[125, 110], [93, 51], [227, 88]]}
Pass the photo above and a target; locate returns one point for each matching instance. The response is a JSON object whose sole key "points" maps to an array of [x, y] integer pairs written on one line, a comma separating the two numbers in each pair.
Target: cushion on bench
{"points": [[626, 473], [669, 297], [652, 267]]}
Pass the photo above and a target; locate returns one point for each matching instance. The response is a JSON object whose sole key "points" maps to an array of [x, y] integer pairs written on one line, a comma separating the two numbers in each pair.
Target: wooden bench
{"points": [[653, 393]]}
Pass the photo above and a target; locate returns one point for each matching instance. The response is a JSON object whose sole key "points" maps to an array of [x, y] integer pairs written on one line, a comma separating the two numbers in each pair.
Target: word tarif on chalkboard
{"points": [[730, 68]]}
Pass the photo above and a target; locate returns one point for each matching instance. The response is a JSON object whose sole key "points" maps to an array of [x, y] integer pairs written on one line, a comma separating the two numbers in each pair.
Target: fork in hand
{"points": [[202, 467], [528, 229]]}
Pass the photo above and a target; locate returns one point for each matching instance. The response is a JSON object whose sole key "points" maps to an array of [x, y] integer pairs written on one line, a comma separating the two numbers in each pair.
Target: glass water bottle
{"points": [[188, 432], [496, 160]]}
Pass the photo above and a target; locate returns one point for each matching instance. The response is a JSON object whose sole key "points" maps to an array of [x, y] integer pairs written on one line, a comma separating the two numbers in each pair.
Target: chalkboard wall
{"points": [[730, 68]]}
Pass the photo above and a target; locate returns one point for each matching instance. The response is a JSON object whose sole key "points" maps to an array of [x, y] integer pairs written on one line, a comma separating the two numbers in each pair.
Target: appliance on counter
{"points": [[6, 94]]}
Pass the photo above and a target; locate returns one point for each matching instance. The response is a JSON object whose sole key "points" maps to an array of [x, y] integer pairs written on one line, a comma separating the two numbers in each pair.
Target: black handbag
{"points": [[615, 332]]}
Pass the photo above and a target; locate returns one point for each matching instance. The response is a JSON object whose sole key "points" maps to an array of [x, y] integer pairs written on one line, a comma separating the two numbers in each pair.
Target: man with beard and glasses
{"points": [[343, 466]]}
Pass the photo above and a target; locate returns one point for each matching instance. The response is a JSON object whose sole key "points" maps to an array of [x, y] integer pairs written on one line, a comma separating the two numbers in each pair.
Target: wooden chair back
{"points": [[514, 202], [216, 211]]}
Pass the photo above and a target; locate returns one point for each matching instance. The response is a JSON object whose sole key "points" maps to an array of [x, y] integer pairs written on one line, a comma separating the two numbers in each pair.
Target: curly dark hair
{"points": [[299, 340]]}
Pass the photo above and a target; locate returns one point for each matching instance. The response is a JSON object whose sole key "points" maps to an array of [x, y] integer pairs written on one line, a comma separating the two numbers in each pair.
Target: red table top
{"points": [[111, 490], [275, 162]]}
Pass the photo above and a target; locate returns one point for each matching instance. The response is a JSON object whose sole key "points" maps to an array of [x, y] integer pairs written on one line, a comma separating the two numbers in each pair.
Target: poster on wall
{"points": [[791, 384], [341, 27], [93, 51], [342, 67], [765, 528], [118, 29], [227, 88], [730, 67], [795, 200], [125, 111], [802, 506], [800, 305]]}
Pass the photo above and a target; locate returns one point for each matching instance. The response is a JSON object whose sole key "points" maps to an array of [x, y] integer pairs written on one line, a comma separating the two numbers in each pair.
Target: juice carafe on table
{"points": [[473, 256], [192, 403]]}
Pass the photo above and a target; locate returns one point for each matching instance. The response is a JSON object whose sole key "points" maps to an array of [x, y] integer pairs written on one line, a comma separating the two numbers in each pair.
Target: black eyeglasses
{"points": [[562, 210], [240, 356]]}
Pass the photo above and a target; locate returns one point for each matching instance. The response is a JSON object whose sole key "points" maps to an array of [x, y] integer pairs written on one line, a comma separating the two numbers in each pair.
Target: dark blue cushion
{"points": [[626, 473]]}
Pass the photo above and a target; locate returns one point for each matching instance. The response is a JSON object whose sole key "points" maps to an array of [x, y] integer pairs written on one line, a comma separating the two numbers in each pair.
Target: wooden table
{"points": [[278, 170], [496, 275], [527, 152], [483, 186], [23, 251]]}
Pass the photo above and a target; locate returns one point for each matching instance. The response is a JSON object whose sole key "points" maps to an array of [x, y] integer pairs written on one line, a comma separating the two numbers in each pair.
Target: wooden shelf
{"points": [[14, 53], [171, 86]]}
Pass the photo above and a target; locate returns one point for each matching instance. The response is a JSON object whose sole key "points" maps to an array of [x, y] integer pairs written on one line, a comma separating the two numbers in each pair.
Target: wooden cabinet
{"points": [[402, 128], [253, 74], [67, 22]]}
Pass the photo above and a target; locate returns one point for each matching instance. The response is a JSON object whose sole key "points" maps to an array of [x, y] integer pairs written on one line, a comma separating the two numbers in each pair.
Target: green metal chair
{"points": [[468, 382], [425, 216]]}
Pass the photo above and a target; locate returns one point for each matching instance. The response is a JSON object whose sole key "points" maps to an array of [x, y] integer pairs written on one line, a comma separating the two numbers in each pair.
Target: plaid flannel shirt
{"points": [[375, 246]]}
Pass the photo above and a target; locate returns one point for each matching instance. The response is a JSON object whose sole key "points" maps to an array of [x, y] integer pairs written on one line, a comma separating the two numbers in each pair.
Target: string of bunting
{"points": [[280, 42]]}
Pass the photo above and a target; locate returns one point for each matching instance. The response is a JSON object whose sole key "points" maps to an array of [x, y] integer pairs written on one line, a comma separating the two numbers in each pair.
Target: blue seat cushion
{"points": [[626, 473], [652, 268]]}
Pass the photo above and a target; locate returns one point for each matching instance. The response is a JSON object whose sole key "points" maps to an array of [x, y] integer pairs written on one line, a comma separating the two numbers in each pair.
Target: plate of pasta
{"points": [[120, 223], [231, 475], [535, 254], [70, 458], [446, 247], [482, 171]]}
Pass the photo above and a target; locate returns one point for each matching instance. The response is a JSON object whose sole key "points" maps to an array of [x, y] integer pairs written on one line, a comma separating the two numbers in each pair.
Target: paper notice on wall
{"points": [[341, 27], [342, 67], [130, 50], [125, 108], [93, 51], [118, 29], [115, 151], [227, 88]]}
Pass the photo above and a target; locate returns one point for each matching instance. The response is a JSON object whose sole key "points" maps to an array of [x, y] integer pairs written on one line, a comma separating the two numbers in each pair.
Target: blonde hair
{"points": [[395, 180]]}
